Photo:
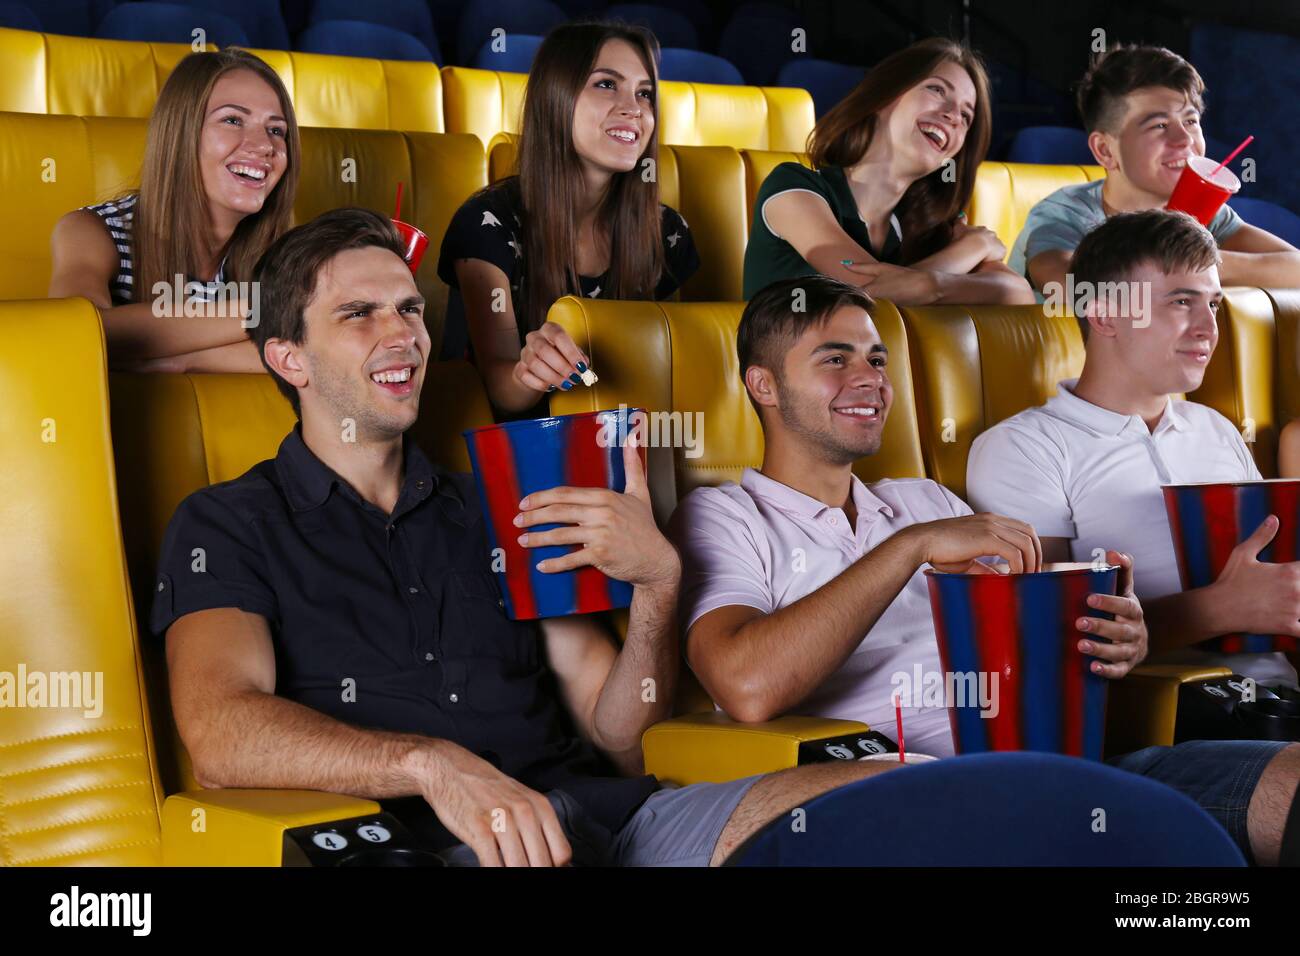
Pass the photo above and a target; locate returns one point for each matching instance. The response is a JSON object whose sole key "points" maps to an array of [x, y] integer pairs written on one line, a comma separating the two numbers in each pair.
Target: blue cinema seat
{"points": [[169, 23], [75, 18], [480, 17], [695, 66], [259, 19], [16, 16], [671, 27], [516, 56], [758, 39], [1278, 220], [997, 809], [1052, 145], [358, 38], [826, 82], [411, 17]]}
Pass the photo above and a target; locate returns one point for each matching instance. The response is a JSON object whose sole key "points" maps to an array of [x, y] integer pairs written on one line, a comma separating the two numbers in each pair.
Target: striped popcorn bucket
{"points": [[515, 459], [1014, 636], [1208, 520]]}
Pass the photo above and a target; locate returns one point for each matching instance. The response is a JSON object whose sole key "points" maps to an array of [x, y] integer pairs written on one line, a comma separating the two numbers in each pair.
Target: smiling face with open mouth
{"points": [[1160, 130], [242, 152], [614, 115], [366, 346], [834, 391], [928, 124]]}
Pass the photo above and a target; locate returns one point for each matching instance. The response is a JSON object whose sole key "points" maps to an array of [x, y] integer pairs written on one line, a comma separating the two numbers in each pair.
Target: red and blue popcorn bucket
{"points": [[1014, 635], [516, 459], [1208, 520]]}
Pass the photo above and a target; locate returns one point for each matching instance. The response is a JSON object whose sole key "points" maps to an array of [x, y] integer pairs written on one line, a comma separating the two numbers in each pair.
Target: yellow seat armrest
{"points": [[1142, 708], [246, 827], [713, 748]]}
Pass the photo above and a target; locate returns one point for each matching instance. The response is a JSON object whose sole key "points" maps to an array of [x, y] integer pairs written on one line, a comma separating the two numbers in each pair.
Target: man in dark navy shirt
{"points": [[343, 632]]}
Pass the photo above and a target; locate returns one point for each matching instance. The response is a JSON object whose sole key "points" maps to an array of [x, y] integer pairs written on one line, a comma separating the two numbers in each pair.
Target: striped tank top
{"points": [[117, 215]]}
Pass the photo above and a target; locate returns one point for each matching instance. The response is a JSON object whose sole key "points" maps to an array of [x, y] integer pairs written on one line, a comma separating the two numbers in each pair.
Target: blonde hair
{"points": [[170, 227]]}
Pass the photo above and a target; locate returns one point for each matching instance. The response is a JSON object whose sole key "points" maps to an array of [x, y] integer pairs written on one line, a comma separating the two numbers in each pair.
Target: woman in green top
{"points": [[893, 167]]}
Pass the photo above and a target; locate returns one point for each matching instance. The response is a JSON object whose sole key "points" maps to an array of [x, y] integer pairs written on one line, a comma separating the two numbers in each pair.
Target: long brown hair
{"points": [[930, 206], [551, 184], [171, 222]]}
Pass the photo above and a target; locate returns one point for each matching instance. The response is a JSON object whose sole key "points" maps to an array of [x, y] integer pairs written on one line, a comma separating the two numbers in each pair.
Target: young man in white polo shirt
{"points": [[1085, 469], [802, 588]]}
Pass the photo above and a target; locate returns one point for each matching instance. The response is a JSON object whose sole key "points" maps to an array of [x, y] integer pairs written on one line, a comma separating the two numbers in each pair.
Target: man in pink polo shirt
{"points": [[802, 589]]}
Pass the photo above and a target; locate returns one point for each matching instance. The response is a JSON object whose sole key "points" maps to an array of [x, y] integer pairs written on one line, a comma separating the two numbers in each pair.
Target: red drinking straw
{"points": [[397, 213], [898, 722], [1233, 155]]}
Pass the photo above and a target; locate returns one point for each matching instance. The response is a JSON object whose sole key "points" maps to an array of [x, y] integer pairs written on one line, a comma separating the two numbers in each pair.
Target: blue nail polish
{"points": [[550, 388], [566, 386], [575, 379], [582, 367]]}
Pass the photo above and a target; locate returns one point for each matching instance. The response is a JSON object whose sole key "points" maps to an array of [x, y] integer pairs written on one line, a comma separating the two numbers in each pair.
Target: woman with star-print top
{"points": [[578, 219]]}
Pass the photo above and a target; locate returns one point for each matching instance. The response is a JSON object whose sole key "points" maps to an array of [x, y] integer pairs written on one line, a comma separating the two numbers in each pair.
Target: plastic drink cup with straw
{"points": [[1204, 186], [413, 239]]}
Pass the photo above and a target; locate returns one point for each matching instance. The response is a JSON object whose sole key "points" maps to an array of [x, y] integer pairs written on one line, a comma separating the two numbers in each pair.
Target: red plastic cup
{"points": [[415, 242], [1201, 192]]}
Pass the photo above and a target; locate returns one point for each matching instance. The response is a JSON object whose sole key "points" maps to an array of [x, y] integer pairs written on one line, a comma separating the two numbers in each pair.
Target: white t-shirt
{"points": [[764, 545], [1076, 470]]}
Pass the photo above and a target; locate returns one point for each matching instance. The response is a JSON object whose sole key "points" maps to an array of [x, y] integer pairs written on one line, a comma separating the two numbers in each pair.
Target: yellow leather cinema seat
{"points": [[1005, 192], [355, 92], [1286, 357], [49, 73], [975, 366], [487, 103], [745, 117], [759, 164], [77, 782], [1241, 380], [81, 76], [50, 165]]}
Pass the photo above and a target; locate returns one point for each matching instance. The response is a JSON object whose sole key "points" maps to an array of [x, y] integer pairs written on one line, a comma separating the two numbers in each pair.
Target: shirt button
{"points": [[414, 590], [161, 586], [388, 527], [454, 698], [428, 655]]}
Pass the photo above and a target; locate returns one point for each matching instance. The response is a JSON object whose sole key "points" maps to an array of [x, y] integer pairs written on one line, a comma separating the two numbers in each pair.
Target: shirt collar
{"points": [[839, 183], [794, 502], [1103, 421], [307, 481]]}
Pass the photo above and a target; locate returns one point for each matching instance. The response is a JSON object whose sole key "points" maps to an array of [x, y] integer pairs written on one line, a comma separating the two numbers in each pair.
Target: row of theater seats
{"points": [[48, 73], [53, 164], [96, 464]]}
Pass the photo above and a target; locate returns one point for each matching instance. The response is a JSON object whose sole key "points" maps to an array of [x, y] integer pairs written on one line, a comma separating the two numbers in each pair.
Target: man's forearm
{"points": [[261, 741], [640, 688], [1268, 269], [777, 660], [1183, 618]]}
